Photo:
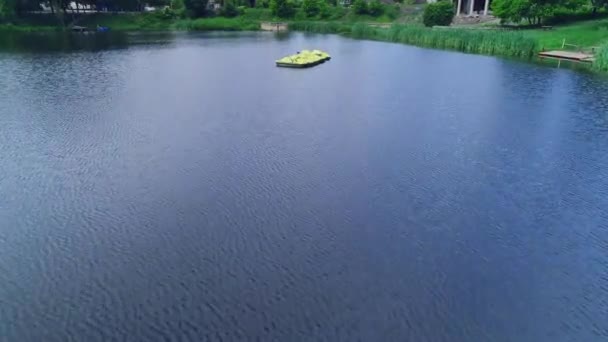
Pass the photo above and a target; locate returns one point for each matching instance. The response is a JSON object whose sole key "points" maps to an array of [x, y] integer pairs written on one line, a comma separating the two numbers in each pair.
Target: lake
{"points": [[180, 187]]}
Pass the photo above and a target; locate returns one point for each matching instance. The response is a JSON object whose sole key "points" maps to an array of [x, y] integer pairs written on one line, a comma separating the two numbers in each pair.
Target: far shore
{"points": [[481, 39]]}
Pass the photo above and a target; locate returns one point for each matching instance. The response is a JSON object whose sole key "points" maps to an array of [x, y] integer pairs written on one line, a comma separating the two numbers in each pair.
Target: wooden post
{"points": [[485, 7], [458, 8], [564, 43]]}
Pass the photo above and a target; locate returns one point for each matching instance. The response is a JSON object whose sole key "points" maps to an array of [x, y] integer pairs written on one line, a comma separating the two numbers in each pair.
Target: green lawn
{"points": [[585, 34]]}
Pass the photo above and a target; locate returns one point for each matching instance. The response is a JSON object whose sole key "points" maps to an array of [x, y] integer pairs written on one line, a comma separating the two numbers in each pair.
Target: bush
{"points": [[325, 11], [262, 4], [229, 10], [282, 8], [337, 12], [167, 13], [360, 6], [196, 8], [392, 11], [311, 7], [178, 8], [215, 24], [439, 13], [375, 8], [565, 15]]}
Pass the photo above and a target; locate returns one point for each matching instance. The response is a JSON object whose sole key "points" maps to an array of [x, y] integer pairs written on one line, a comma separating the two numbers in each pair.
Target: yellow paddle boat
{"points": [[304, 59]]}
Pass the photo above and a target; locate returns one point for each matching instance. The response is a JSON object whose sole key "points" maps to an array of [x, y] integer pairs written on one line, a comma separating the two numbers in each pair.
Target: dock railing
{"points": [[579, 48]]}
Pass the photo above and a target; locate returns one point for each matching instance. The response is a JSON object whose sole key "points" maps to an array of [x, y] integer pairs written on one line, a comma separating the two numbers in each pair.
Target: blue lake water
{"points": [[183, 188]]}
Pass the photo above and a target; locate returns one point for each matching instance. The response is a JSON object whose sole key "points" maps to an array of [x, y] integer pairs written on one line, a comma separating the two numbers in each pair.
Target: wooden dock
{"points": [[568, 55], [274, 26]]}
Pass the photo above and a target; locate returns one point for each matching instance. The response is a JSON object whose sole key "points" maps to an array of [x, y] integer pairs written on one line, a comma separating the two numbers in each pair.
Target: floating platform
{"points": [[568, 55], [304, 59]]}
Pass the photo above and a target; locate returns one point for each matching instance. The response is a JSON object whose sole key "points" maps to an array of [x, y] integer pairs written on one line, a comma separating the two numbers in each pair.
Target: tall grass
{"points": [[216, 24], [488, 42], [601, 58], [321, 26]]}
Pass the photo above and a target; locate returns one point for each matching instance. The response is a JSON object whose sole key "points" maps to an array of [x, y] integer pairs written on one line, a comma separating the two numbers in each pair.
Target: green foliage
{"points": [[375, 8], [229, 10], [7, 9], [282, 8], [597, 4], [155, 3], [601, 58], [490, 42], [589, 33], [392, 12], [216, 24], [196, 8], [167, 13], [511, 10], [325, 11], [439, 13], [564, 15], [178, 6], [261, 14], [360, 6], [536, 12], [262, 4], [336, 12], [320, 27], [312, 7]]}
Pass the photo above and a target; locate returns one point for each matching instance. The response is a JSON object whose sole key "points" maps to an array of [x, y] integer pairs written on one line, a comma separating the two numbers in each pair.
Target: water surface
{"points": [[183, 188]]}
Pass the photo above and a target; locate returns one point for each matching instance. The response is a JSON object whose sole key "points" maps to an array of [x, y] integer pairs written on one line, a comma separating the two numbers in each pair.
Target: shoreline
{"points": [[499, 43]]}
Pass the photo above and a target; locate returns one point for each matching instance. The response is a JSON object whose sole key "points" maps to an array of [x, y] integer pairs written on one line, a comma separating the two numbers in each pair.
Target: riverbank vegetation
{"points": [[503, 43], [581, 23]]}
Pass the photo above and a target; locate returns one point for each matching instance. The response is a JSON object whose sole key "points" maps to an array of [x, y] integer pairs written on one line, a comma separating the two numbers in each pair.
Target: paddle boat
{"points": [[304, 59]]}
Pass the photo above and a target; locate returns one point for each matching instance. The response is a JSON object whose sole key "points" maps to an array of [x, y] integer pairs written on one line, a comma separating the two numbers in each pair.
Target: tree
{"points": [[229, 10], [7, 9], [311, 7], [511, 10], [438, 13], [282, 8], [360, 6], [597, 4], [196, 8], [533, 11], [375, 8]]}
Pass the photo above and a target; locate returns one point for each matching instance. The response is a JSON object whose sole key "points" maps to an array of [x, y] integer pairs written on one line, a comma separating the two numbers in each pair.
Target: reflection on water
{"points": [[68, 41]]}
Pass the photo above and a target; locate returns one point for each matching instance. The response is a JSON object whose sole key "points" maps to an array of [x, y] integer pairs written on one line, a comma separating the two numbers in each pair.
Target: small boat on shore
{"points": [[304, 59]]}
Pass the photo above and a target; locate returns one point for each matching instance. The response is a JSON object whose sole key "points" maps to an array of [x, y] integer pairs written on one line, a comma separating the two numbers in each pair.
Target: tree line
{"points": [[15, 8], [536, 12]]}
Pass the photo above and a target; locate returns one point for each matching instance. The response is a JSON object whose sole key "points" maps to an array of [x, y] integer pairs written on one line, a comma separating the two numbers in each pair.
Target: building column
{"points": [[485, 7], [472, 7], [458, 8]]}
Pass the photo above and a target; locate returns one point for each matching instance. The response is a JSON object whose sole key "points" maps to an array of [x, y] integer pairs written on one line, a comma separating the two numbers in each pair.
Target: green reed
{"points": [[488, 42], [601, 58]]}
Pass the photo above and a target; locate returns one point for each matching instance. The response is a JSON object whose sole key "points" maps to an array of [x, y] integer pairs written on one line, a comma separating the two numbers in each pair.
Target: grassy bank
{"points": [[27, 28], [487, 42], [584, 34], [405, 28], [216, 24]]}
